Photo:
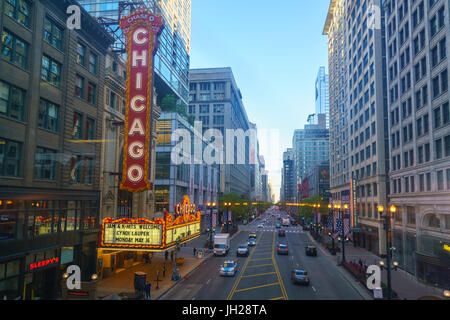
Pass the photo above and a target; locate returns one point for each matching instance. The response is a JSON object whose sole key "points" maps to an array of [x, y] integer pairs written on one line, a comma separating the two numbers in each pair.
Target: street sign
{"points": [[378, 293]]}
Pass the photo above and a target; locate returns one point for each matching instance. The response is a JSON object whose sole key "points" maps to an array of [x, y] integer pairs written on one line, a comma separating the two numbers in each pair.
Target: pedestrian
{"points": [[171, 255], [146, 258], [166, 254], [195, 251], [164, 270], [148, 288], [360, 262]]}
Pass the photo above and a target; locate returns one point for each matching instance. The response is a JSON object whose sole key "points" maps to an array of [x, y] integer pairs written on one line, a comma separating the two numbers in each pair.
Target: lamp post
{"points": [[387, 228], [330, 212], [227, 205]]}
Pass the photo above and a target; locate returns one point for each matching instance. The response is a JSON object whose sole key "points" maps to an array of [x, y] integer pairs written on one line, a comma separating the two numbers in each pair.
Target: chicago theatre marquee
{"points": [[124, 240]]}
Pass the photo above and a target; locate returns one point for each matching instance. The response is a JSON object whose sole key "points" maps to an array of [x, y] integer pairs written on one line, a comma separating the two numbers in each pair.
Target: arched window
{"points": [[432, 221]]}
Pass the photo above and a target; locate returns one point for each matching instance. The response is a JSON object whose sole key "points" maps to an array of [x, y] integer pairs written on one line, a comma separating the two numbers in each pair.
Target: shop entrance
{"points": [[42, 285]]}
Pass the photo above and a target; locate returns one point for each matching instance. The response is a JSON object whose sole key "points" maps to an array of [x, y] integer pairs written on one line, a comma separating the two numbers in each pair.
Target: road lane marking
{"points": [[236, 283], [259, 274], [314, 289], [279, 298], [280, 280], [257, 287], [208, 281], [261, 265], [261, 259]]}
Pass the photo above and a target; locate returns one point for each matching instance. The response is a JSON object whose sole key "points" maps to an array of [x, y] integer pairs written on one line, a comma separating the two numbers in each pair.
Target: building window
{"points": [[219, 86], [192, 109], [19, 10], [44, 164], [14, 49], [205, 86], [79, 87], [77, 124], [10, 152], [12, 101], [440, 180], [53, 33], [112, 100], [89, 129], [81, 52], [51, 71], [204, 108], [93, 63], [218, 120], [92, 89], [81, 170], [48, 116]]}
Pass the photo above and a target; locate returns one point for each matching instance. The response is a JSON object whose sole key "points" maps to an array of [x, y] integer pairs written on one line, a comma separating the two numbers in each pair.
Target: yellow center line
{"points": [[280, 280], [257, 287], [259, 274], [236, 283], [279, 298]]}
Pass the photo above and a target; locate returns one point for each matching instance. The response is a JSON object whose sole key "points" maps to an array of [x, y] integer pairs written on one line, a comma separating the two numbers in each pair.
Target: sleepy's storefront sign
{"points": [[141, 30]]}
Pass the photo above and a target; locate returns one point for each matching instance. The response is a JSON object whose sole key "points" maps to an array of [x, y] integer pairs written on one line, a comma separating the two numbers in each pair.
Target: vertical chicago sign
{"points": [[141, 30]]}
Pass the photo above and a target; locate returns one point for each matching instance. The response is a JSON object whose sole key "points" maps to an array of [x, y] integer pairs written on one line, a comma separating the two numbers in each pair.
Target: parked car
{"points": [[242, 250], [300, 277], [282, 233], [311, 251], [228, 268], [251, 242], [283, 249]]}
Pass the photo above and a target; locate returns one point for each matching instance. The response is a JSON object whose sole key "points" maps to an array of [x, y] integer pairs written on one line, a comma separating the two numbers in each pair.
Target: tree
{"points": [[169, 104]]}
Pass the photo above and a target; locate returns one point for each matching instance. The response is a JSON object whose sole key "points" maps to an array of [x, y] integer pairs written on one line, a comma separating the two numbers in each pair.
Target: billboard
{"points": [[141, 30]]}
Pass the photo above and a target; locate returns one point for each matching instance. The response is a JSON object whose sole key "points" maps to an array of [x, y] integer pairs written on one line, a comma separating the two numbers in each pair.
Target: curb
{"points": [[345, 275], [192, 271]]}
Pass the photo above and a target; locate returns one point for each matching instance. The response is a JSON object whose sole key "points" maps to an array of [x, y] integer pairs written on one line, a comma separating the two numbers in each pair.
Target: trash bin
{"points": [[200, 254], [140, 278]]}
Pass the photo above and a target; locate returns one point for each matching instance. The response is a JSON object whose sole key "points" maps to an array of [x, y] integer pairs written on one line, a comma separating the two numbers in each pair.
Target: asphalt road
{"points": [[264, 275]]}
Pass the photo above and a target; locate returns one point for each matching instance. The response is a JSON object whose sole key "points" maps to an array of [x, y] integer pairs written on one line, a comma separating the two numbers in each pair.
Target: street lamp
{"points": [[341, 214], [228, 205], [330, 212], [387, 220]]}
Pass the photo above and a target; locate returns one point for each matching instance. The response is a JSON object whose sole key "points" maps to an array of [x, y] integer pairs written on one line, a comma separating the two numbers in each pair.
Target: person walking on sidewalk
{"points": [[148, 288], [171, 255], [164, 270], [166, 254], [195, 251]]}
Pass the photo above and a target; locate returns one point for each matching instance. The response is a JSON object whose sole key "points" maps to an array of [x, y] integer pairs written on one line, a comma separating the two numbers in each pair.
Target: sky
{"points": [[275, 49]]}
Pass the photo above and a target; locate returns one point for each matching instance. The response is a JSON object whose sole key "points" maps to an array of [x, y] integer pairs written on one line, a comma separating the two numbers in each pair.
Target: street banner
{"points": [[141, 30], [208, 190], [200, 184], [214, 219]]}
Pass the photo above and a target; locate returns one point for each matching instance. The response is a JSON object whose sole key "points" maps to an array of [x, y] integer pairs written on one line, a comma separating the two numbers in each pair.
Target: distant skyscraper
{"points": [[288, 177], [322, 97]]}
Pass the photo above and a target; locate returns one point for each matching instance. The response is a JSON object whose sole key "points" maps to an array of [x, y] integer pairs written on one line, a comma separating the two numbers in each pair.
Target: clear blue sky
{"points": [[275, 49]]}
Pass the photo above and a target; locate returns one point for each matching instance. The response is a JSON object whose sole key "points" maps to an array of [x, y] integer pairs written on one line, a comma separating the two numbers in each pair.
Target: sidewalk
{"points": [[122, 283], [404, 283]]}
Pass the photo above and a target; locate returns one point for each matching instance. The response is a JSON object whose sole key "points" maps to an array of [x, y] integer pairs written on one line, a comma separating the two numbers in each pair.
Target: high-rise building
{"points": [[216, 101], [417, 42], [172, 56], [358, 113], [288, 183], [311, 146], [322, 95], [52, 87], [172, 180]]}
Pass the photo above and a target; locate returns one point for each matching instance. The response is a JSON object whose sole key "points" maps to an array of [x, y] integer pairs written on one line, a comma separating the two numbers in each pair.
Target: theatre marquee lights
{"points": [[141, 30], [157, 235]]}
